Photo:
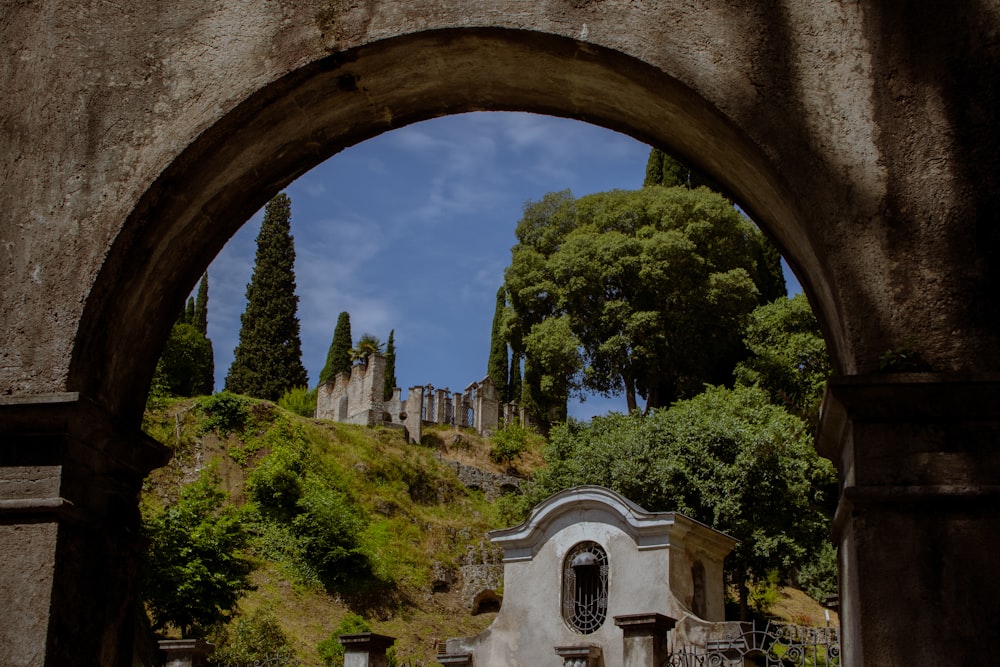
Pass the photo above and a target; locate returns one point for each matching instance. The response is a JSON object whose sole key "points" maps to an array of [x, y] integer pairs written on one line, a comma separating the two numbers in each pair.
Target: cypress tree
{"points": [[338, 357], [497, 367], [514, 386], [390, 366], [268, 358], [189, 311], [200, 320]]}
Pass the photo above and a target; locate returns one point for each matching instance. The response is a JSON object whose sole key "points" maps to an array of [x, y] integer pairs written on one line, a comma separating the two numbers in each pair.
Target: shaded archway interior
{"points": [[293, 124]]}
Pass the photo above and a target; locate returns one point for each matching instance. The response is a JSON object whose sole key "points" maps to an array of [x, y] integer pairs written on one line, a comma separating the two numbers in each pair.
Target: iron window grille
{"points": [[585, 587]]}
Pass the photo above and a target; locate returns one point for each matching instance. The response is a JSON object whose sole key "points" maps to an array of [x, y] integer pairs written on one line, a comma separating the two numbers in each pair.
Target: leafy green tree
{"points": [[268, 358], [338, 357], [194, 572], [186, 364], [665, 170], [727, 457], [508, 443], [367, 345], [390, 366], [653, 285], [788, 356], [497, 367]]}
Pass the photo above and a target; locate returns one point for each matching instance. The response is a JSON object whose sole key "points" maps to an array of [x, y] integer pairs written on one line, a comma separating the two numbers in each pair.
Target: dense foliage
{"points": [[268, 358], [194, 572], [187, 364], [338, 357], [727, 457], [788, 356], [636, 292]]}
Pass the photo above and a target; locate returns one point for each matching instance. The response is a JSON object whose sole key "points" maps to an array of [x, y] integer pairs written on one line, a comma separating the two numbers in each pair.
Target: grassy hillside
{"points": [[417, 519], [413, 519]]}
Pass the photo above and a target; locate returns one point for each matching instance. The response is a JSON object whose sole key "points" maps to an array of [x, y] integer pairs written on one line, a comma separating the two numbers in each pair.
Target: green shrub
{"points": [[328, 526], [300, 400], [254, 640], [330, 650], [193, 572], [276, 483], [509, 442], [224, 412]]}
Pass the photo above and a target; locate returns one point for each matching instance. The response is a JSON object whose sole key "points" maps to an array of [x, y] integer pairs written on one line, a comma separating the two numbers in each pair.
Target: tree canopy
{"points": [[727, 457], [187, 364], [194, 572], [268, 358], [643, 292], [788, 357]]}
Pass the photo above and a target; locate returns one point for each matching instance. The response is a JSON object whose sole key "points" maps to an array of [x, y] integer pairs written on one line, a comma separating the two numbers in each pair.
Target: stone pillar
{"points": [[365, 649], [70, 476], [644, 641], [918, 522], [413, 422], [440, 406], [580, 656], [185, 652], [458, 410]]}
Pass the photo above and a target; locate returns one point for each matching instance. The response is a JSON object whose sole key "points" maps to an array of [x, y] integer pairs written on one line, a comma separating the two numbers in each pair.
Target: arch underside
{"points": [[305, 117]]}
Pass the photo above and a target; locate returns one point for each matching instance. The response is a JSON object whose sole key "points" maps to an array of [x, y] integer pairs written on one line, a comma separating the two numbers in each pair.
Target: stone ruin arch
{"points": [[864, 139]]}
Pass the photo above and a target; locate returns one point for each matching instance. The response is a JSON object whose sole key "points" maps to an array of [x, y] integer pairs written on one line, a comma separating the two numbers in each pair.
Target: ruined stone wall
{"points": [[355, 398]]}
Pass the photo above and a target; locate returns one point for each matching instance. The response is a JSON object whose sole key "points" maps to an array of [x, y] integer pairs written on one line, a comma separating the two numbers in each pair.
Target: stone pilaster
{"points": [[644, 638], [365, 649], [918, 521], [70, 476]]}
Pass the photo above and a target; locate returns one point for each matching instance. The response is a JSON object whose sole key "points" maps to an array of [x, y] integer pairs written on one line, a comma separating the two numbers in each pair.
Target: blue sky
{"points": [[412, 231]]}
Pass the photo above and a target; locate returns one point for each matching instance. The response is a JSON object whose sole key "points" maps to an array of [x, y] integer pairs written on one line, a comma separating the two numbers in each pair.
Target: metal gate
{"points": [[777, 644]]}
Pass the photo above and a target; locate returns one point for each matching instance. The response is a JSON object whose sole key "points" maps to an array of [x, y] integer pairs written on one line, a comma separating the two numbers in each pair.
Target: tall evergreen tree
{"points": [[390, 365], [338, 357], [514, 385], [497, 368], [189, 311], [200, 320], [268, 358]]}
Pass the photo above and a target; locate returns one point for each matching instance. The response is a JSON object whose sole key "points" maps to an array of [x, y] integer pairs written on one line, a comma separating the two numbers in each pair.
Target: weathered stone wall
{"points": [[864, 137], [355, 398], [492, 484]]}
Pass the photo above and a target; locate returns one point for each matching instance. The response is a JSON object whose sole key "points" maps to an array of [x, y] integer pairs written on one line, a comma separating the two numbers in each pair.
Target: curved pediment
{"points": [[597, 504]]}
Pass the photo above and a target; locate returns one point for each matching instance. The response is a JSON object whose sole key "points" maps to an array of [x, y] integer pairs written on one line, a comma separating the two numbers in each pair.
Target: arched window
{"points": [[585, 587]]}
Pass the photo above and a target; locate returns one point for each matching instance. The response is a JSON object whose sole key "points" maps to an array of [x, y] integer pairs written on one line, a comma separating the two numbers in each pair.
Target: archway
{"points": [[303, 118], [846, 130]]}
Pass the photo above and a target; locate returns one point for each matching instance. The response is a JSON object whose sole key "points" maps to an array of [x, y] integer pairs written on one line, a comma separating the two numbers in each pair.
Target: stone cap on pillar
{"points": [[645, 624], [185, 652], [461, 659], [582, 655], [366, 641]]}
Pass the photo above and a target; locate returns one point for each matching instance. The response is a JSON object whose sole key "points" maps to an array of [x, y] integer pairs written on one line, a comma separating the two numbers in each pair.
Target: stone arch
{"points": [[862, 136], [256, 149]]}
